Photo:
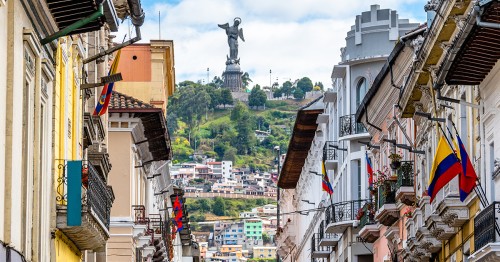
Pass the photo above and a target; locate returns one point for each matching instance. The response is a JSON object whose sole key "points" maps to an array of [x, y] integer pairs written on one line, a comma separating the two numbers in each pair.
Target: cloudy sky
{"points": [[293, 38]]}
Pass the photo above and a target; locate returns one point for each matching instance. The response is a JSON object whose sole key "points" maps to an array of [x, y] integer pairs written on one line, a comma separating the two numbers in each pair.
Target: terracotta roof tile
{"points": [[122, 101]]}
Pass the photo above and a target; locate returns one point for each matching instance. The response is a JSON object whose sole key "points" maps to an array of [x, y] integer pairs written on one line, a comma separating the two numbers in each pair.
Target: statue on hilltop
{"points": [[233, 32]]}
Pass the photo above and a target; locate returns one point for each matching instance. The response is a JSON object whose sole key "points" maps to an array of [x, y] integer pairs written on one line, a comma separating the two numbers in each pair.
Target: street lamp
{"points": [[278, 151]]}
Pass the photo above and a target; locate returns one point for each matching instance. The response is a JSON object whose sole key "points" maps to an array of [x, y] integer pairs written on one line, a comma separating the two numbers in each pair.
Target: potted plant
{"points": [[395, 160], [360, 214], [408, 213]]}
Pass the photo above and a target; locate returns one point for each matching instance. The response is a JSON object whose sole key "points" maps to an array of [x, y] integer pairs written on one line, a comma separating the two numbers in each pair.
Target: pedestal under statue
{"points": [[232, 74]]}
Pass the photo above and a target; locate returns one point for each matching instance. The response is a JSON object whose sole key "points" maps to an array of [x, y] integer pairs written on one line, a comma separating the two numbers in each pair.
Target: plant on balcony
{"points": [[395, 160], [360, 214], [379, 180], [85, 176], [408, 213]]}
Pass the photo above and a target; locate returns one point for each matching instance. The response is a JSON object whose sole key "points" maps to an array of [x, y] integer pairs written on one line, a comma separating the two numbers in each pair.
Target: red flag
{"points": [[468, 177], [369, 170]]}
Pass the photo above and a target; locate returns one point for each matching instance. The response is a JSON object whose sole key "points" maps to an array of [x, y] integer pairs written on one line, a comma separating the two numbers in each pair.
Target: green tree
{"points": [[298, 94], [305, 84], [266, 238], [230, 154], [278, 93], [245, 138], [225, 97], [257, 97], [219, 207], [215, 96], [245, 78], [286, 89], [320, 85], [205, 205], [217, 82], [238, 110]]}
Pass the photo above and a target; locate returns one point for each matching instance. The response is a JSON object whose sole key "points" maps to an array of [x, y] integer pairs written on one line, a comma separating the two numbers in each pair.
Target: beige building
{"points": [[140, 150], [264, 252], [148, 72]]}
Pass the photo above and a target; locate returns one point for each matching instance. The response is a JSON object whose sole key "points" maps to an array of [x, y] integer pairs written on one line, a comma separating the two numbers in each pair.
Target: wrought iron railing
{"points": [[345, 211], [328, 216], [315, 244], [321, 230], [405, 174], [329, 151], [368, 215], [485, 226], [386, 193], [348, 126], [96, 195]]}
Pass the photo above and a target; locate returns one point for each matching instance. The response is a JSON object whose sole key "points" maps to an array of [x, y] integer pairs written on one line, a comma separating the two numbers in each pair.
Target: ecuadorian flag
{"points": [[107, 90], [445, 167], [325, 181]]}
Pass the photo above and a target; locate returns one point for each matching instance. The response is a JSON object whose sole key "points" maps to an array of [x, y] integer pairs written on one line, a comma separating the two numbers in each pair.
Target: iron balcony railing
{"points": [[368, 215], [348, 126], [329, 151], [344, 211], [386, 194], [315, 244], [405, 175], [96, 195], [486, 228]]}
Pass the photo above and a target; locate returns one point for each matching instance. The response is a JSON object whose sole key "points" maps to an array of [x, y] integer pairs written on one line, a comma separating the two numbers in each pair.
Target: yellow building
{"points": [[264, 252]]}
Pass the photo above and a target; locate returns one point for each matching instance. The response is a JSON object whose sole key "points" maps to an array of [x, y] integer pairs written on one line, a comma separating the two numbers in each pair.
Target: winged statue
{"points": [[233, 33]]}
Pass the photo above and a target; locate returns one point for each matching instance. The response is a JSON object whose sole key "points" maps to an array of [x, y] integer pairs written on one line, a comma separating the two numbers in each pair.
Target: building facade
{"points": [[329, 225]]}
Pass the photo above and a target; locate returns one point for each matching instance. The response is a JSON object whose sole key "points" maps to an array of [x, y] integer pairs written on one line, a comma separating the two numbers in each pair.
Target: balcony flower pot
{"points": [[395, 160]]}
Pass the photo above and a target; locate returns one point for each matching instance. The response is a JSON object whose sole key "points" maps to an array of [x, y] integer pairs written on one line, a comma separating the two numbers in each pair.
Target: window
{"points": [[361, 89]]}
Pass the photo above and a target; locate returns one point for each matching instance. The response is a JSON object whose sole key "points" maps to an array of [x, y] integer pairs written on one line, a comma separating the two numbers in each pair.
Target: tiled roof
{"points": [[122, 101]]}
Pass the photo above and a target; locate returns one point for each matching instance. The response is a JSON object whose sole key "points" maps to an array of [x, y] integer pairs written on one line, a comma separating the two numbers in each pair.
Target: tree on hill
{"points": [[278, 93], [257, 97], [298, 94], [245, 138], [305, 84], [230, 154], [217, 82], [219, 207], [245, 78], [225, 97], [320, 85], [238, 110], [286, 89]]}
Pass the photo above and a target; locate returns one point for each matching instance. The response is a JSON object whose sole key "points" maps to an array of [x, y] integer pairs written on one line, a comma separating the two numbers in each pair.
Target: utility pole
{"points": [[278, 150], [208, 75], [270, 78]]}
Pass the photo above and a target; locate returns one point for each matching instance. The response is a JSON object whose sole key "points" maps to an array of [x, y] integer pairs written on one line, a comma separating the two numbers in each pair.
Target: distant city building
{"points": [[264, 252]]}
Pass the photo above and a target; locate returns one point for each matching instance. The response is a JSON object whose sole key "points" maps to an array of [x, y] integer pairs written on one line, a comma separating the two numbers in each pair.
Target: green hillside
{"points": [[198, 123]]}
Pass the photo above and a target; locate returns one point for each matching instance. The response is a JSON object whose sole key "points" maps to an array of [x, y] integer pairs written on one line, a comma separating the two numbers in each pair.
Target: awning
{"points": [[479, 53], [303, 134]]}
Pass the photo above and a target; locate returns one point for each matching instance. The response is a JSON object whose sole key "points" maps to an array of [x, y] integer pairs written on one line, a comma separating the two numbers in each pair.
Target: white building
{"points": [[320, 227]]}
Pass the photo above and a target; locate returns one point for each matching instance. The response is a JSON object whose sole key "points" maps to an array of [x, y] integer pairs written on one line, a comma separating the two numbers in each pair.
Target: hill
{"points": [[228, 132]]}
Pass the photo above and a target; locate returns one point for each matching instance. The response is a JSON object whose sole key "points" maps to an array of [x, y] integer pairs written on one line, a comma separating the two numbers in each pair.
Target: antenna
{"points": [[159, 26]]}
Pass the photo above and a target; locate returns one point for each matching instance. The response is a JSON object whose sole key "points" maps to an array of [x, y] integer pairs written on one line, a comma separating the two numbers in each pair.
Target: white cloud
{"points": [[293, 38]]}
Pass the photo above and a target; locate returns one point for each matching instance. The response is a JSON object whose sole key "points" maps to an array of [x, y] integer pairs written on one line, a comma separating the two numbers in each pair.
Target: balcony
{"points": [[369, 228], [318, 251], [405, 191], [387, 213], [327, 239], [91, 231], [89, 131], [330, 155], [349, 127], [340, 216], [486, 234]]}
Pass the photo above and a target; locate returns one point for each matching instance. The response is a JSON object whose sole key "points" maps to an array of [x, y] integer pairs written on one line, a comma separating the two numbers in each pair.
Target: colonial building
{"points": [[326, 131], [50, 138]]}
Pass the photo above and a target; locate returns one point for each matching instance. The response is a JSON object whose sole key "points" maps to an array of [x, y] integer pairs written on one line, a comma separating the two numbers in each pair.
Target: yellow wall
{"points": [[66, 251], [68, 120], [466, 233]]}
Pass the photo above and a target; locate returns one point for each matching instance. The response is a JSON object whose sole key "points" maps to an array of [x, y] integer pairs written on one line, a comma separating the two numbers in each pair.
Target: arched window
{"points": [[360, 91]]}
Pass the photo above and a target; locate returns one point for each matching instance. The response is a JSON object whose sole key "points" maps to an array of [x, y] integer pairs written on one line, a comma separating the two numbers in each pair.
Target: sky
{"points": [[290, 38]]}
